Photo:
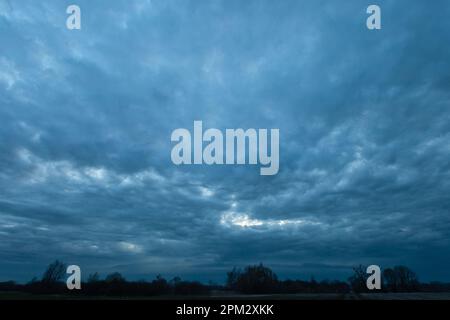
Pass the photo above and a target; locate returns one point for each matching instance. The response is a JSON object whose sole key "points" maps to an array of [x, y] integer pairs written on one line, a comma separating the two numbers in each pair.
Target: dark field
{"points": [[220, 296]]}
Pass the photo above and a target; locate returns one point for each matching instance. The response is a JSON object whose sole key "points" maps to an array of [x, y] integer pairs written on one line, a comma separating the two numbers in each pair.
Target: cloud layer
{"points": [[364, 119]]}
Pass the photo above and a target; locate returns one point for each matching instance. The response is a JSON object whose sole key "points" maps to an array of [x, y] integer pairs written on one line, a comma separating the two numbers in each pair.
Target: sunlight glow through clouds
{"points": [[245, 221], [129, 247]]}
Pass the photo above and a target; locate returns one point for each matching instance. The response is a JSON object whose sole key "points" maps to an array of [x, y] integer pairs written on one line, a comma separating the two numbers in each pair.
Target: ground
{"points": [[303, 296]]}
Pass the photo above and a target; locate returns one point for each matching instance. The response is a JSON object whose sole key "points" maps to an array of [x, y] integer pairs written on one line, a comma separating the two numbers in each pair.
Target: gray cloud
{"points": [[85, 170]]}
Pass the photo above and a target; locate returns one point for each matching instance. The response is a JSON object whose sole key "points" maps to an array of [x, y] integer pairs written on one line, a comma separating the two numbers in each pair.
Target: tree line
{"points": [[254, 279]]}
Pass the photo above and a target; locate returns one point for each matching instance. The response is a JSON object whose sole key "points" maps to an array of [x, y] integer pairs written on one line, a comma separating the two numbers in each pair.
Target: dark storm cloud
{"points": [[85, 170]]}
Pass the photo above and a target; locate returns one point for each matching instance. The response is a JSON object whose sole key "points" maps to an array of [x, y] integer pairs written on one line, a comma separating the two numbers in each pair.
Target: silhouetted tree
{"points": [[160, 285], [232, 278], [114, 278], [115, 284], [255, 279], [93, 277], [358, 279], [54, 273], [400, 279], [175, 281], [390, 280], [407, 278]]}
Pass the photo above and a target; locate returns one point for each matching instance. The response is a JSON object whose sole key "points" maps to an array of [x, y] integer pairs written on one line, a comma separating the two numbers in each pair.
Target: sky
{"points": [[87, 115]]}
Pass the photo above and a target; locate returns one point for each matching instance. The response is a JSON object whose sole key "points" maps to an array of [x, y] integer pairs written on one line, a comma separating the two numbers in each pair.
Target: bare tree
{"points": [[358, 279], [54, 273], [115, 277], [399, 279], [232, 278], [254, 279], [93, 277]]}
